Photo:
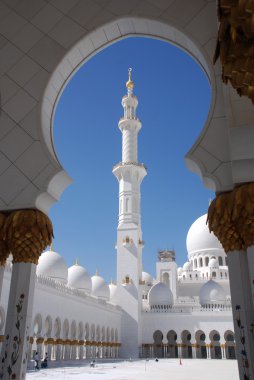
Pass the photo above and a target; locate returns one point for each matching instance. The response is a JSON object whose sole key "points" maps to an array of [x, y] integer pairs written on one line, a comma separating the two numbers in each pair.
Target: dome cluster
{"points": [[52, 265]]}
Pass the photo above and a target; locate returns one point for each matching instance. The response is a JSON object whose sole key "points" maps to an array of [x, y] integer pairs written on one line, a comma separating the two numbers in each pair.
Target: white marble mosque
{"points": [[182, 312]]}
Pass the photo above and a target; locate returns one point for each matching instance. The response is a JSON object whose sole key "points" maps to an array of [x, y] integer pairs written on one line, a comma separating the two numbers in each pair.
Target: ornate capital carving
{"points": [[231, 218], [235, 45], [27, 233]]}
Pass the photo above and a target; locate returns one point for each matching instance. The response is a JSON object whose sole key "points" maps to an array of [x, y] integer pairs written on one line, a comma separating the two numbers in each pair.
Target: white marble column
{"points": [[18, 322], [208, 351], [250, 258], [223, 353], [242, 307], [81, 350], [39, 342], [179, 347], [58, 349], [49, 348], [67, 350], [2, 268], [194, 351]]}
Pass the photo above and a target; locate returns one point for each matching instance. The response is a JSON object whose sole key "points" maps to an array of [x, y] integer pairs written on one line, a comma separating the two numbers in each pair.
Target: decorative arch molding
{"points": [[201, 158]]}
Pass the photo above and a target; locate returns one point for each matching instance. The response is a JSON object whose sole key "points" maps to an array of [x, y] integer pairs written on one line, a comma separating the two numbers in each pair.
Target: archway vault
{"points": [[55, 57]]}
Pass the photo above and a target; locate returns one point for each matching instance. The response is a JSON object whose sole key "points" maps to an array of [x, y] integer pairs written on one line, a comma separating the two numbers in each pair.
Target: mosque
{"points": [[182, 312]]}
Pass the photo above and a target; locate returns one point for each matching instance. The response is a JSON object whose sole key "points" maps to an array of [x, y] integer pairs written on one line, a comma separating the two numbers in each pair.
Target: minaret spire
{"points": [[129, 171], [130, 174], [130, 83]]}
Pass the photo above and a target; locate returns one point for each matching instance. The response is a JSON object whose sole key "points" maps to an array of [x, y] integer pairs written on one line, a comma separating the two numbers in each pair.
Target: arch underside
{"points": [[30, 173]]}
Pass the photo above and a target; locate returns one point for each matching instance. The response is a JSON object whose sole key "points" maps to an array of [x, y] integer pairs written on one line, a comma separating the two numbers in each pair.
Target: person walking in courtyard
{"points": [[36, 359]]}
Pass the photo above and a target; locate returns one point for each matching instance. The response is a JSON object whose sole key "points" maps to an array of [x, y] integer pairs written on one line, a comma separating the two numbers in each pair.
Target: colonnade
{"points": [[66, 349], [190, 351]]}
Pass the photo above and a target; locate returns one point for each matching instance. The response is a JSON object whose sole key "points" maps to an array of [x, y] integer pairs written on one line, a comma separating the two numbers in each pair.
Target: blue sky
{"points": [[174, 99]]}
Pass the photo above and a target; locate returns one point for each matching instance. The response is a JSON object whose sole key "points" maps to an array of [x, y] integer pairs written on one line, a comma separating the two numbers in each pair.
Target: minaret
{"points": [[130, 174]]}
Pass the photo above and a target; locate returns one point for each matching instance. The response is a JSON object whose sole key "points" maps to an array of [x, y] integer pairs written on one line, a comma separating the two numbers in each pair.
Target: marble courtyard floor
{"points": [[143, 370]]}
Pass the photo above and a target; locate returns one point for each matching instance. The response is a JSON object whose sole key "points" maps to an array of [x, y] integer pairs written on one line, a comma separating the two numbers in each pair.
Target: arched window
{"points": [[220, 260], [206, 261], [214, 274], [195, 263], [165, 278], [200, 262]]}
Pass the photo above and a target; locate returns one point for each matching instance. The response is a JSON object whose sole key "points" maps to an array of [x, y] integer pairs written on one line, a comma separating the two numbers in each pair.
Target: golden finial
{"points": [[129, 83], [51, 247], [76, 263], [97, 272]]}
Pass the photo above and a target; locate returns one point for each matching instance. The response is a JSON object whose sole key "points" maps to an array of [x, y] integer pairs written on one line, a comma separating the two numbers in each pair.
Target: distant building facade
{"points": [[182, 312]]}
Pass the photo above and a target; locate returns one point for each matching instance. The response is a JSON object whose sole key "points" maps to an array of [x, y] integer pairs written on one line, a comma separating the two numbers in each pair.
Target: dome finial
{"points": [[51, 247], [129, 83], [97, 272], [76, 263]]}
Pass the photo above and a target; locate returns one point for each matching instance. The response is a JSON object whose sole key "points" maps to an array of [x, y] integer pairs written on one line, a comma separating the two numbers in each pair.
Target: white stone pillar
{"points": [[194, 351], [250, 258], [2, 268], [81, 349], [242, 307], [58, 349], [49, 348], [88, 351], [39, 342], [67, 350], [179, 347], [30, 348], [208, 351], [223, 353], [18, 321]]}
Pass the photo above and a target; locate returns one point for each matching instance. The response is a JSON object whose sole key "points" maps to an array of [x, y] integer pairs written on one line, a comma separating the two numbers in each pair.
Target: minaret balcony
{"points": [[129, 123], [141, 242], [127, 242], [141, 165]]}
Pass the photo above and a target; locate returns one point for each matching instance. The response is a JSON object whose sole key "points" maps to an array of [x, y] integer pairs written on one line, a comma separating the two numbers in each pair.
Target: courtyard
{"points": [[143, 370]]}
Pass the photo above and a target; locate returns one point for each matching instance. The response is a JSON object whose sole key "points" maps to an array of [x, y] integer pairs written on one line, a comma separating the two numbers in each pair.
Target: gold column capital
{"points": [[231, 218], [27, 233]]}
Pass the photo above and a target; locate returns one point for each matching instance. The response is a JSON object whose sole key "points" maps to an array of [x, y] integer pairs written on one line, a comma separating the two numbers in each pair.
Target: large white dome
{"points": [[99, 288], [212, 293], [52, 265], [78, 277], [199, 238], [160, 295], [187, 266], [147, 278]]}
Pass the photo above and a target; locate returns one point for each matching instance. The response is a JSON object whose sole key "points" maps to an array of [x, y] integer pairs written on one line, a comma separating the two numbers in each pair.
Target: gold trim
{"points": [[27, 233], [230, 217]]}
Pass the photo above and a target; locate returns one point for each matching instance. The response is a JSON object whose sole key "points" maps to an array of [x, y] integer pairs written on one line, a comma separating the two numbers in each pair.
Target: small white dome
{"points": [[147, 278], [187, 266], [179, 270], [212, 293], [99, 288], [213, 263], [79, 278], [160, 294], [52, 265], [112, 290], [199, 238]]}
